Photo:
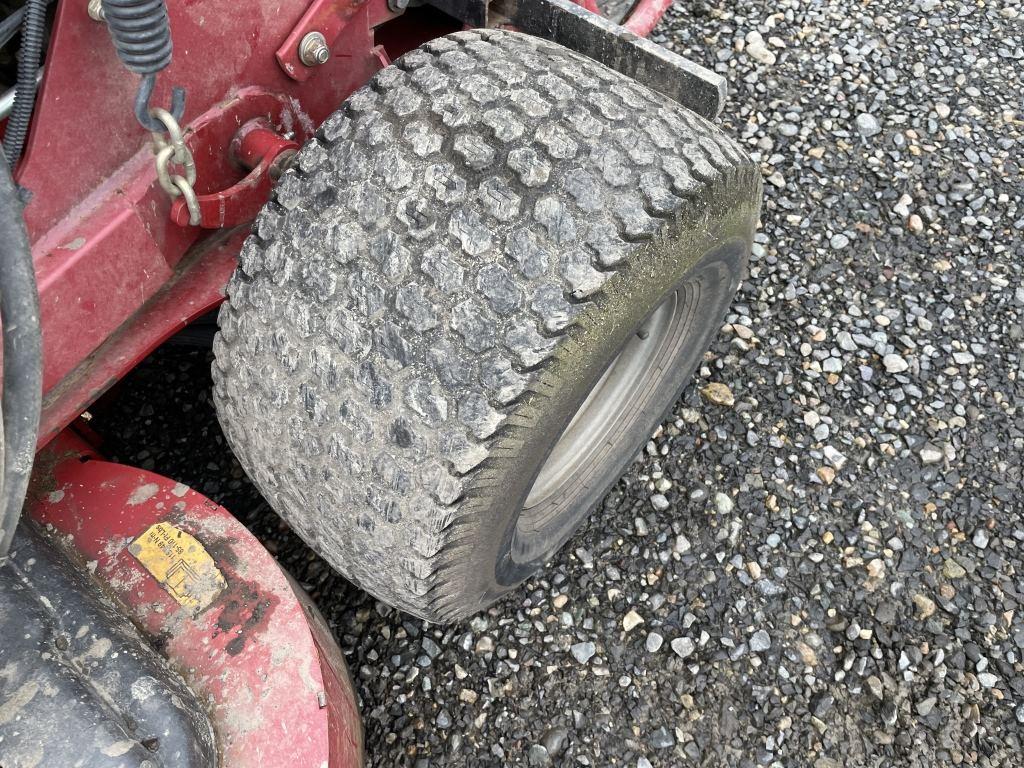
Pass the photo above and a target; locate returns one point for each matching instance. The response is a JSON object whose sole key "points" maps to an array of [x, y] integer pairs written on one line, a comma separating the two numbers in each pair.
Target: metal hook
{"points": [[142, 105]]}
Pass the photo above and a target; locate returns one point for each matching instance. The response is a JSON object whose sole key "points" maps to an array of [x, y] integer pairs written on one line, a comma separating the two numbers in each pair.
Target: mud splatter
{"points": [[143, 493]]}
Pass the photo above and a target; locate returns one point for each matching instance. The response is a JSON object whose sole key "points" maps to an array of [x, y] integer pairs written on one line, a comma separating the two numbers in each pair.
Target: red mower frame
{"points": [[116, 273], [119, 267]]}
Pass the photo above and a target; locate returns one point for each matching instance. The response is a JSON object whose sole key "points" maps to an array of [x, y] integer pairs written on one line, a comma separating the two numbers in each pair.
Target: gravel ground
{"points": [[818, 561]]}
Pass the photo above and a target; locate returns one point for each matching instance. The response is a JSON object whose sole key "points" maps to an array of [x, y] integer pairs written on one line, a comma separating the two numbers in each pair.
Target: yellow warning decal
{"points": [[180, 563]]}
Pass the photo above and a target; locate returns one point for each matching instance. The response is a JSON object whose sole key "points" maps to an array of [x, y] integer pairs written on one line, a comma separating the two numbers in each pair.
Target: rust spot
{"points": [[223, 553], [245, 613]]}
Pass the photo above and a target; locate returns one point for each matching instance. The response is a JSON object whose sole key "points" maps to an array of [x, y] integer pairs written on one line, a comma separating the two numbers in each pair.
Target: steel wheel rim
{"points": [[599, 416]]}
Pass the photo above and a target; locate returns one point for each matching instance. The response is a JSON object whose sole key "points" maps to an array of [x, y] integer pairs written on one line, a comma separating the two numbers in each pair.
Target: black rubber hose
{"points": [[9, 27], [33, 30], [23, 357]]}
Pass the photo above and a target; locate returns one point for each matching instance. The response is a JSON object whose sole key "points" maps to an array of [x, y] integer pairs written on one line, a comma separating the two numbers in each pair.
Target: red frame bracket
{"points": [[328, 17], [116, 275]]}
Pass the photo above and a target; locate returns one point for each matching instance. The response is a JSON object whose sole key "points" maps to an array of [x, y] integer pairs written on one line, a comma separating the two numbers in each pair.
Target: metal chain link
{"points": [[172, 150]]}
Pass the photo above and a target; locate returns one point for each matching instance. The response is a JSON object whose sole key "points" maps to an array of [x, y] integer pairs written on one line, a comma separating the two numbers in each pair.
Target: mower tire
{"points": [[470, 302]]}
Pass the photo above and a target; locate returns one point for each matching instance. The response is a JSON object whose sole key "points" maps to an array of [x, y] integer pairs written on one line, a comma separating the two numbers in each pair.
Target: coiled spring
{"points": [[142, 37], [141, 32]]}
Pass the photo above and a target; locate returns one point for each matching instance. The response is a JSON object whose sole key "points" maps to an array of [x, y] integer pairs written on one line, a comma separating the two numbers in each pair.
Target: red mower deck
{"points": [[214, 602]]}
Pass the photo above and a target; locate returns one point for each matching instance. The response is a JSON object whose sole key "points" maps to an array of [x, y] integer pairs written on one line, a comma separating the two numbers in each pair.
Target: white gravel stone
{"points": [[895, 363], [632, 620], [834, 457], [760, 641], [683, 647], [868, 125], [583, 652], [723, 503], [758, 50]]}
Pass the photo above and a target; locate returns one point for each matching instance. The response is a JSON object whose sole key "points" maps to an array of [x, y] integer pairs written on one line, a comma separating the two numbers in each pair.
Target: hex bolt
{"points": [[313, 50], [398, 6], [95, 10]]}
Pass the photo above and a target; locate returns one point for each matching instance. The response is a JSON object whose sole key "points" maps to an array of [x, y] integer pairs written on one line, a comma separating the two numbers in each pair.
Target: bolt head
{"points": [[313, 50]]}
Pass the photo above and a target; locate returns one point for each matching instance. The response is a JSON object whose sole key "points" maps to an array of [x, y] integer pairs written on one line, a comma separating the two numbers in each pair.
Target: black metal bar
{"points": [[471, 12], [571, 25]]}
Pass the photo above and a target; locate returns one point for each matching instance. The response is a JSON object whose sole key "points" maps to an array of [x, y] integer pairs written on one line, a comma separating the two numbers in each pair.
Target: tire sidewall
{"points": [[651, 273]]}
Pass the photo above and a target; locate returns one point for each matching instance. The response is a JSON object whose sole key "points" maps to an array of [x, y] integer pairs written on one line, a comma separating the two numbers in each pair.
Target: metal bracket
{"points": [[259, 147], [326, 18], [571, 25]]}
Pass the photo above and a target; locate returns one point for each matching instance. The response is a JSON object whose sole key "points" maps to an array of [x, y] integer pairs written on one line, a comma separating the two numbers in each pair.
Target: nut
{"points": [[95, 10], [313, 50]]}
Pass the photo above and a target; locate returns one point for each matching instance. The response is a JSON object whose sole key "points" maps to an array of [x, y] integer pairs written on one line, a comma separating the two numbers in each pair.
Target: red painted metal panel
{"points": [[196, 287], [99, 269]]}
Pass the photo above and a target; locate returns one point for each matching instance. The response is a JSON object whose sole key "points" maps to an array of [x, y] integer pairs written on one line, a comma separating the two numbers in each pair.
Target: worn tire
{"points": [[439, 282]]}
